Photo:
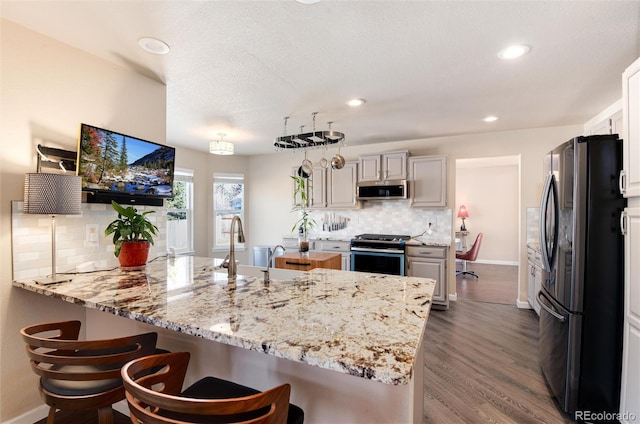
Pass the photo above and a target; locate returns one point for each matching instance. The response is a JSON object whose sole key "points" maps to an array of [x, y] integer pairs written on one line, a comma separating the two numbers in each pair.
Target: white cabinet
{"points": [[630, 393], [343, 247], [610, 125], [429, 262], [385, 166], [318, 188], [630, 176], [428, 181], [341, 186], [534, 278]]}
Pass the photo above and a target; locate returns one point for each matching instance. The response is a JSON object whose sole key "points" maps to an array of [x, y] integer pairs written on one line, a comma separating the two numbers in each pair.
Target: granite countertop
{"points": [[367, 325], [417, 241]]}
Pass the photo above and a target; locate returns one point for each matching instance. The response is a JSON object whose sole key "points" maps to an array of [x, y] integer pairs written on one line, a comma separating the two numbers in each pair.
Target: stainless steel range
{"points": [[379, 253]]}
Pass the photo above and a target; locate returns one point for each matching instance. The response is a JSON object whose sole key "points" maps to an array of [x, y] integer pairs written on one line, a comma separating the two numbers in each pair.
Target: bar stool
{"points": [[81, 375], [158, 396]]}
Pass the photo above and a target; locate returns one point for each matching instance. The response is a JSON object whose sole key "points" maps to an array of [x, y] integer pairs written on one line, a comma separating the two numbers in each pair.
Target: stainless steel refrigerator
{"points": [[582, 290]]}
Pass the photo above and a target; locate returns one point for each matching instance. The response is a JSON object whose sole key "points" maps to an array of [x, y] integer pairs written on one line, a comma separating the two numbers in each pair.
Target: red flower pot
{"points": [[134, 254]]}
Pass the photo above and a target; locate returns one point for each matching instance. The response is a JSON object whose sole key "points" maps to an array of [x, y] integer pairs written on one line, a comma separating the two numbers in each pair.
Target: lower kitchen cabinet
{"points": [[342, 247], [534, 278], [430, 262], [308, 262]]}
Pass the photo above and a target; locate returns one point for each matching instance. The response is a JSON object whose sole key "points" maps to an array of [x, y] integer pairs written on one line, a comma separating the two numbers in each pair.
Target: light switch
{"points": [[91, 236]]}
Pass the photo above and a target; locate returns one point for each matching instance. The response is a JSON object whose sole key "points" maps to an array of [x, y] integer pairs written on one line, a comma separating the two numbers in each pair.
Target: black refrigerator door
{"points": [[559, 346]]}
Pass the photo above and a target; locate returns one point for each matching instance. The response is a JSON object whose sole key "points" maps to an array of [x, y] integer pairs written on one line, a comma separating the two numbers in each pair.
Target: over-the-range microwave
{"points": [[382, 190]]}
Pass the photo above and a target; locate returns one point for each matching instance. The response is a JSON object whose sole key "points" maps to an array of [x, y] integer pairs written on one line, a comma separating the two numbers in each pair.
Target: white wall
{"points": [[47, 90], [490, 191]]}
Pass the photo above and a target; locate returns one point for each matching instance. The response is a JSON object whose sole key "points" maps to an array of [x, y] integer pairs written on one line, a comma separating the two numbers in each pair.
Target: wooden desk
{"points": [[297, 261]]}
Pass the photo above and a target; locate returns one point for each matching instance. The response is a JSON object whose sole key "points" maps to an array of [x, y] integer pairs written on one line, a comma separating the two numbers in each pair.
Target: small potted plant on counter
{"points": [[132, 236], [305, 223]]}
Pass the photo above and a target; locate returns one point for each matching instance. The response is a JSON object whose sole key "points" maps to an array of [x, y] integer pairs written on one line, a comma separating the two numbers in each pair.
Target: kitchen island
{"points": [[350, 344]]}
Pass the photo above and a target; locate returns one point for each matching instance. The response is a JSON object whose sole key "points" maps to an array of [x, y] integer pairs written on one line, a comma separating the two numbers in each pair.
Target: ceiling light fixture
{"points": [[308, 1], [221, 147], [356, 102], [513, 52], [153, 45], [490, 119]]}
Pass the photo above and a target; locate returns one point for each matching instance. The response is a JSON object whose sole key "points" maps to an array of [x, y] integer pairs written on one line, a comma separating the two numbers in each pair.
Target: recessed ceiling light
{"points": [[153, 45], [356, 102], [308, 1], [490, 119], [513, 52]]}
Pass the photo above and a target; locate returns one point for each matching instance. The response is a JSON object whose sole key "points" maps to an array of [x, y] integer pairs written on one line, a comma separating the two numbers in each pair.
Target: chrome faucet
{"points": [[273, 252], [230, 260]]}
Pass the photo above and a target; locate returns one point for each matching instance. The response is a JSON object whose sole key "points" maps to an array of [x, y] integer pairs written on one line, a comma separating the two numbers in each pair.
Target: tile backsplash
{"points": [[80, 240], [385, 217]]}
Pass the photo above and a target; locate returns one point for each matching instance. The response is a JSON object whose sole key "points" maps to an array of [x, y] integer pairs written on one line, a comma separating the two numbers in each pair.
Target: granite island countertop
{"points": [[367, 325]]}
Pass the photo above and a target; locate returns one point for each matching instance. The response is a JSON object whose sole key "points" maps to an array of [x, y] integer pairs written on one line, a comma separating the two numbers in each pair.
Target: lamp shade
{"points": [[52, 194], [462, 212]]}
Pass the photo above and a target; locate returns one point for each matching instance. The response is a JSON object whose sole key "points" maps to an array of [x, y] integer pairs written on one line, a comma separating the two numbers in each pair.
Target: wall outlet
{"points": [[91, 235]]}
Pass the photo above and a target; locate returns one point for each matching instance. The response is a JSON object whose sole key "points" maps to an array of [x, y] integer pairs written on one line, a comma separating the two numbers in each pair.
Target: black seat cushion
{"points": [[215, 388]]}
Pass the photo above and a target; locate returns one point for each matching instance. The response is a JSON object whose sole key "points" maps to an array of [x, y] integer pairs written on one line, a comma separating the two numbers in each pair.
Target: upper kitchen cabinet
{"points": [[385, 166], [610, 125], [341, 186], [318, 188], [428, 181], [630, 175]]}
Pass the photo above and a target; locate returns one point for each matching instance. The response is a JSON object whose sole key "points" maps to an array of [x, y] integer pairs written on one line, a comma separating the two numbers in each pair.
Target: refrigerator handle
{"points": [[547, 191], [544, 306], [622, 182]]}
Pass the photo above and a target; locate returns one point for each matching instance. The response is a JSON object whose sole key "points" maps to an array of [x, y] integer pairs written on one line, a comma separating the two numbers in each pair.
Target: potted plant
{"points": [[301, 201], [132, 236]]}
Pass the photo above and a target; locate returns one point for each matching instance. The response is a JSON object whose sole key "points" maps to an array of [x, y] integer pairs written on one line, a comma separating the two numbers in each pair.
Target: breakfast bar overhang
{"points": [[349, 343]]}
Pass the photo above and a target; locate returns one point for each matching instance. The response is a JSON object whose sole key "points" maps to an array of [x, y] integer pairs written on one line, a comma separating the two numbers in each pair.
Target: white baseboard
{"points": [[453, 297], [523, 305], [492, 262], [36, 414]]}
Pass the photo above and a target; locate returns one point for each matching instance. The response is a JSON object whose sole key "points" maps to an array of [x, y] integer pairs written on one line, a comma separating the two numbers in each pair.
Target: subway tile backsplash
{"points": [[79, 240]]}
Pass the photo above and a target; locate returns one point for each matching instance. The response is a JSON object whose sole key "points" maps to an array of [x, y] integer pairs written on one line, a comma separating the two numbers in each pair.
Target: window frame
{"points": [[183, 176], [227, 178]]}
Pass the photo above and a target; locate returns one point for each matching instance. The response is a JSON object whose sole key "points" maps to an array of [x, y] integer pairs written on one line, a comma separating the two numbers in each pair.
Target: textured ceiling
{"points": [[426, 68]]}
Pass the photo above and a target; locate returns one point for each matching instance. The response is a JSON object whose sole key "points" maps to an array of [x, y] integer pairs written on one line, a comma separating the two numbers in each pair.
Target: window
{"points": [[228, 201], [180, 213]]}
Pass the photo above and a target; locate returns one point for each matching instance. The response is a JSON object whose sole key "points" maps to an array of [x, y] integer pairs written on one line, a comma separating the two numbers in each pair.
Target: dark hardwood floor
{"points": [[481, 366], [496, 283]]}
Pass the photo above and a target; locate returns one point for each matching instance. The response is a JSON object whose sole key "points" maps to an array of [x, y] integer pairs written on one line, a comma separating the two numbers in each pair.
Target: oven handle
{"points": [[373, 250]]}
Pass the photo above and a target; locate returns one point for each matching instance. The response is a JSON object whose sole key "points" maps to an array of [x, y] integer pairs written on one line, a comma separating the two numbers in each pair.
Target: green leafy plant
{"points": [[301, 201], [130, 225]]}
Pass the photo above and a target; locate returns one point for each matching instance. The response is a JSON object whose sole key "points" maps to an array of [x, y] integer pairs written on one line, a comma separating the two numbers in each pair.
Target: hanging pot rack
{"points": [[311, 139]]}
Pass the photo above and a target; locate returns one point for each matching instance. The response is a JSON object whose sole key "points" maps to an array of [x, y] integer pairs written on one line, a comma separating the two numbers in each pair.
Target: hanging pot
{"points": [[302, 173], [307, 167], [337, 162]]}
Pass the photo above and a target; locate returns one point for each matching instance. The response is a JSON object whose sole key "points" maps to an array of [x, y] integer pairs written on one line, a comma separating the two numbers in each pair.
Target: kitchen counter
{"points": [[417, 241], [365, 325]]}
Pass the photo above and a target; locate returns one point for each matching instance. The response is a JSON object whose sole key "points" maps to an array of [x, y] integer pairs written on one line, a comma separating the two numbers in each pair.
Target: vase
{"points": [[133, 254], [303, 244]]}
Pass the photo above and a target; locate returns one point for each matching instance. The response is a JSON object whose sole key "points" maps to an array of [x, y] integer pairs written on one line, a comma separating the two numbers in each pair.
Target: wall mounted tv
{"points": [[126, 169]]}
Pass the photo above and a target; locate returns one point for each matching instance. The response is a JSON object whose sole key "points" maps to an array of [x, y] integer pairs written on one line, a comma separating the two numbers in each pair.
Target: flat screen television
{"points": [[115, 166]]}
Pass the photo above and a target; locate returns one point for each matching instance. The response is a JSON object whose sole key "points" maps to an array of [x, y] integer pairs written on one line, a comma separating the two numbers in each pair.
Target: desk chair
{"points": [[157, 397], [81, 375], [469, 255]]}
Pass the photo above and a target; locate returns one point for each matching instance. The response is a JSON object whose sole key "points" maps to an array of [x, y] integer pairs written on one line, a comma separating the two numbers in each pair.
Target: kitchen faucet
{"points": [[273, 252], [230, 261]]}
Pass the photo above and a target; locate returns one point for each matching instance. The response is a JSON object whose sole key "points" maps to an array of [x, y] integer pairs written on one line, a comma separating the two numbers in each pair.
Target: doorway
{"points": [[489, 188]]}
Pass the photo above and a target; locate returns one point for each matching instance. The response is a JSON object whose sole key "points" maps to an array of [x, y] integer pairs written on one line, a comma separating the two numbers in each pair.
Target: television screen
{"points": [[110, 162]]}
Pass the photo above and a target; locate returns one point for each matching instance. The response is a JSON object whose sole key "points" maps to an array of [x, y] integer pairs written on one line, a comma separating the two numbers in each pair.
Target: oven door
{"points": [[378, 262]]}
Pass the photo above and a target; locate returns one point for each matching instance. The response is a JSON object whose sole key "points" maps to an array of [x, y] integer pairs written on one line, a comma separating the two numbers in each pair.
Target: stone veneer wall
{"points": [[31, 240], [387, 217]]}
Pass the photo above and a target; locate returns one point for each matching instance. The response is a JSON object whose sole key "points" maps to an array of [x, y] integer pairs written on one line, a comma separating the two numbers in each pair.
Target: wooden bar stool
{"points": [[157, 397], [81, 375]]}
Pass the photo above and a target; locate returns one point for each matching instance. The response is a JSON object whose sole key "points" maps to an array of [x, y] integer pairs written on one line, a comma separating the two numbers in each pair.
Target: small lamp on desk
{"points": [[462, 213], [52, 194]]}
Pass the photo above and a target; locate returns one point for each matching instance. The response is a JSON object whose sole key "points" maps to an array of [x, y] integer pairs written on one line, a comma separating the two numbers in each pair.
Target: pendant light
{"points": [[221, 147]]}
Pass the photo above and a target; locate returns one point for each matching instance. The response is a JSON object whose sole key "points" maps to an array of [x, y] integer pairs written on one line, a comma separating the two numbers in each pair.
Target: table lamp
{"points": [[462, 213], [52, 194]]}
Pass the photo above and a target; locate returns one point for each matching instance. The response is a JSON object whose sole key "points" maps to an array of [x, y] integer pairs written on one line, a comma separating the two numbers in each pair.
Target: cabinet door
{"points": [[342, 186], [429, 268], [394, 166], [370, 168], [428, 176], [318, 188], [631, 119], [630, 391]]}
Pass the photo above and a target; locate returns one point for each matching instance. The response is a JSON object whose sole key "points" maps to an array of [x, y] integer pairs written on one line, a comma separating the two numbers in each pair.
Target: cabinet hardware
{"points": [[622, 182], [298, 263]]}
